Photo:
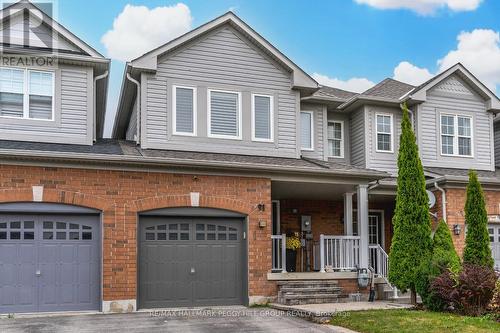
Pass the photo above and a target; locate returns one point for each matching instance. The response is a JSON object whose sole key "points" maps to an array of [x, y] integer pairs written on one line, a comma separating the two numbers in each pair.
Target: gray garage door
{"points": [[49, 263], [191, 261]]}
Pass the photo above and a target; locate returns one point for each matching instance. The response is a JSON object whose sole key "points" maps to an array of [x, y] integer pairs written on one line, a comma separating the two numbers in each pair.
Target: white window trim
{"points": [[312, 131], [26, 93], [455, 135], [209, 116], [391, 133], [341, 122], [271, 115], [174, 111]]}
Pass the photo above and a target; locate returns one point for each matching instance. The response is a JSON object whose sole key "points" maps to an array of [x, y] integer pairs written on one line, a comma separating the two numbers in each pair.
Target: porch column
{"points": [[362, 200], [348, 230]]}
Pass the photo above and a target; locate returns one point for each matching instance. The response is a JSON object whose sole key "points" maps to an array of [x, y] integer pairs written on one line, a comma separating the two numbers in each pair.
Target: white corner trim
{"points": [[37, 193], [195, 199], [119, 306]]}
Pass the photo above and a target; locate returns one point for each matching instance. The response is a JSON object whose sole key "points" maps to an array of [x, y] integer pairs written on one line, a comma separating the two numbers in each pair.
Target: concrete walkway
{"points": [[323, 312]]}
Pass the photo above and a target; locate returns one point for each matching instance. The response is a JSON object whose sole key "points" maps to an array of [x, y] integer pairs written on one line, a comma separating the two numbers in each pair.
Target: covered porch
{"points": [[343, 227]]}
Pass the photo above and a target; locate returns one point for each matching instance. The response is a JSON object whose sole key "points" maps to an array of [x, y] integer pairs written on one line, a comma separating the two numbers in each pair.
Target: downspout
{"points": [[443, 199], [97, 78], [138, 101], [373, 186]]}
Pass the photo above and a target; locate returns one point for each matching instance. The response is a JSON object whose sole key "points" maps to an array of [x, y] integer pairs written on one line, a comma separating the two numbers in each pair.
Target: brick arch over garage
{"points": [[205, 201], [59, 197]]}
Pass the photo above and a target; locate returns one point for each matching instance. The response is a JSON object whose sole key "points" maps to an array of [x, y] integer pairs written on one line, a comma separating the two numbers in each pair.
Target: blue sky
{"points": [[336, 40]]}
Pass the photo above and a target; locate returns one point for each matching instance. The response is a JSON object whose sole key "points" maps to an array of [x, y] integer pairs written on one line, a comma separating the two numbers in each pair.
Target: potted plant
{"points": [[292, 245]]}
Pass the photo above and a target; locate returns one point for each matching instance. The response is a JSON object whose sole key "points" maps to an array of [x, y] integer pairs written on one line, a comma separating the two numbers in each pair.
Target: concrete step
{"points": [[309, 290], [308, 283], [294, 299]]}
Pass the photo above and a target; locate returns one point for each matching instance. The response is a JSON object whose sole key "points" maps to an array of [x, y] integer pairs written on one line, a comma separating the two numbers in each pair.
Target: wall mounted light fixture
{"points": [[457, 228]]}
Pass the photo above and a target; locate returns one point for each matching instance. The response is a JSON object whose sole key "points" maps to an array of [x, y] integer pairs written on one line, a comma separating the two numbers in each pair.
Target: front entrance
{"points": [[49, 263], [191, 261], [494, 232], [375, 229]]}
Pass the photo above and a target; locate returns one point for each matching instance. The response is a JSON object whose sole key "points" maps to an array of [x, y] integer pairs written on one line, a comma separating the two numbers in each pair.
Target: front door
{"points": [[375, 229], [494, 231]]}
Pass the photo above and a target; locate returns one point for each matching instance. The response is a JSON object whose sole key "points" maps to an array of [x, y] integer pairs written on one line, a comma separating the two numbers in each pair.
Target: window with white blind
{"points": [[184, 110], [27, 94], [262, 118], [336, 139], [385, 139], [224, 114], [306, 130], [456, 135]]}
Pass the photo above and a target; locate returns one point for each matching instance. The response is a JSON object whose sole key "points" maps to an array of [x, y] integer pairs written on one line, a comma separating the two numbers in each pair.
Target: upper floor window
{"points": [[456, 135], [306, 130], [262, 118], [224, 114], [336, 139], [384, 132], [26, 94], [184, 110]]}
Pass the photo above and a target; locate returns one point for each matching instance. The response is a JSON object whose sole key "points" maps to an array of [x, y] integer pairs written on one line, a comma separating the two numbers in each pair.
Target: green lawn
{"points": [[398, 321]]}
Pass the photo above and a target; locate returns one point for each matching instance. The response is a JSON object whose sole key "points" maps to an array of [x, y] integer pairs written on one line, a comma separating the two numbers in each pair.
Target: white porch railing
{"points": [[379, 260], [339, 252], [279, 253], [379, 264]]}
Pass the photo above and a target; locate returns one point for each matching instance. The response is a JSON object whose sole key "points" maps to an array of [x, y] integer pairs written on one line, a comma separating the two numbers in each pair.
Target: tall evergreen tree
{"points": [[411, 242], [477, 241]]}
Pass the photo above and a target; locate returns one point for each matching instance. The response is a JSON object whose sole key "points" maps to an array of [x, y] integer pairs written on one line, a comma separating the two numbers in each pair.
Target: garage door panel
{"points": [[58, 262], [203, 267]]}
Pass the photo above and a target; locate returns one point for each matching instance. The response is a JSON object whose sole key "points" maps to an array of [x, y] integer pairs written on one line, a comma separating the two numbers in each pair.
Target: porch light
{"points": [[457, 229]]}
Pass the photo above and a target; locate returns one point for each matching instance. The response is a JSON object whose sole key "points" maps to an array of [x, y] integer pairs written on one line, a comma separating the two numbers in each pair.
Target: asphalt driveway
{"points": [[234, 319]]}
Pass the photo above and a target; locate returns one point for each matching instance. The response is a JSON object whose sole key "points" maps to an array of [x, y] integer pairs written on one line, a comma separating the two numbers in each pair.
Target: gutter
{"points": [[138, 101], [97, 78], [443, 196]]}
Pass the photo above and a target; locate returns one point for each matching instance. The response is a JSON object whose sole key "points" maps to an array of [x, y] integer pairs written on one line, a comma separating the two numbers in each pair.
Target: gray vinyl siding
{"points": [[132, 125], [357, 135], [73, 121], [497, 143], [335, 116], [454, 97], [220, 60], [384, 161], [319, 127]]}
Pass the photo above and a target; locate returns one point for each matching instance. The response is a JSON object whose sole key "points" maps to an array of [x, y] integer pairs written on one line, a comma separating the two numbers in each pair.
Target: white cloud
{"points": [[424, 7], [479, 51], [354, 84], [409, 73], [138, 29]]}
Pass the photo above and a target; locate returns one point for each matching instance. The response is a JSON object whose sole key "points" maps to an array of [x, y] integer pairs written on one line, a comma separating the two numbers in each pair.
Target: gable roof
{"points": [[419, 94], [77, 51], [24, 5], [149, 62]]}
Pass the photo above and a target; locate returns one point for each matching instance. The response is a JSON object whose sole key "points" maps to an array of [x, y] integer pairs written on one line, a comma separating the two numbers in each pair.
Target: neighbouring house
{"points": [[222, 148]]}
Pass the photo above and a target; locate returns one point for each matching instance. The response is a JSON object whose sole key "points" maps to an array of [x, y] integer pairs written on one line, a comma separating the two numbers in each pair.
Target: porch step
{"points": [[308, 292]]}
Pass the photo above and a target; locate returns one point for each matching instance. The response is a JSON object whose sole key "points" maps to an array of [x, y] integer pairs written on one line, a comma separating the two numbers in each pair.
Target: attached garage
{"points": [[49, 261], [192, 257]]}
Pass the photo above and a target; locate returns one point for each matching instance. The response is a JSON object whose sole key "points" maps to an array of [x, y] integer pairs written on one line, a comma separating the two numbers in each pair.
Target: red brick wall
{"points": [[121, 195], [455, 203]]}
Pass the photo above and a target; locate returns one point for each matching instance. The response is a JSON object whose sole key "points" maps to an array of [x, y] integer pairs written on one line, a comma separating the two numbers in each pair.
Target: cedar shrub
{"points": [[411, 243]]}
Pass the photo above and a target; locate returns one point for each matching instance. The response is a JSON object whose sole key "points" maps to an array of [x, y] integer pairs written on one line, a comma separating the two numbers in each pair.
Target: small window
{"points": [[262, 118], [184, 110], [384, 133], [86, 235], [306, 130], [224, 110], [26, 94], [336, 139], [456, 135]]}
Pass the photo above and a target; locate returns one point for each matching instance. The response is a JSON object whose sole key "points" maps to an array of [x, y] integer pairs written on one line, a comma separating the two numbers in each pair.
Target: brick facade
{"points": [[455, 203], [121, 195]]}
